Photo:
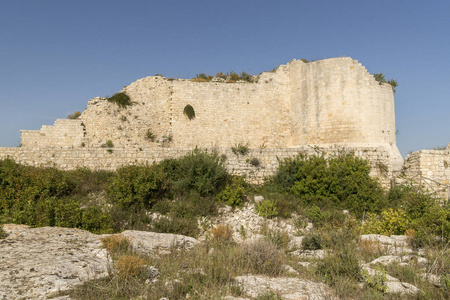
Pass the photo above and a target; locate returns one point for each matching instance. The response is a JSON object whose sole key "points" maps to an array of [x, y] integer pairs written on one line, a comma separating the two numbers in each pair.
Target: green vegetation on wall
{"points": [[121, 99], [381, 79]]}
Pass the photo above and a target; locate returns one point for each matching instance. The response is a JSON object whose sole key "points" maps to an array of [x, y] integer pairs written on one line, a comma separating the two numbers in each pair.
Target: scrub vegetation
{"points": [[185, 190]]}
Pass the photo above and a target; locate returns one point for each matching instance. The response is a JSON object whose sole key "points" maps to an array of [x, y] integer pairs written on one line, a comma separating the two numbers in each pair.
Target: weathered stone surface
{"points": [[433, 279], [394, 286], [388, 259], [310, 253], [37, 262], [296, 243], [147, 242], [287, 287], [394, 245], [246, 223]]}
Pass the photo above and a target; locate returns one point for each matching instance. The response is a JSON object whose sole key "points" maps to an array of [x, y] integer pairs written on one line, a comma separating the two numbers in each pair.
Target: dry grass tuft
{"points": [[128, 266], [262, 257], [222, 233], [116, 244]]}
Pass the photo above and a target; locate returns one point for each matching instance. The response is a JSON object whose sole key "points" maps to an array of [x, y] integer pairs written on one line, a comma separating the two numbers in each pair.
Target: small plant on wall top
{"points": [[240, 148], [381, 79], [189, 112], [108, 144], [121, 99], [74, 116]]}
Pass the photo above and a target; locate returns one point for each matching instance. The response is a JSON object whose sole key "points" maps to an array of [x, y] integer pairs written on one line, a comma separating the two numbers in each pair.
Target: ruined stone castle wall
{"points": [[329, 103], [63, 134], [430, 169]]}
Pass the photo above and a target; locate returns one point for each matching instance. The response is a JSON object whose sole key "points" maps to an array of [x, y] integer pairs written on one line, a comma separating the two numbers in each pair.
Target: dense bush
{"points": [[342, 181], [234, 193], [138, 186], [50, 197], [104, 202], [199, 171], [267, 208], [414, 210], [312, 241]]}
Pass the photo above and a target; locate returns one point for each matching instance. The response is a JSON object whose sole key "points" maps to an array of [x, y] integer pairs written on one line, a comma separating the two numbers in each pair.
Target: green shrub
{"points": [[121, 99], [267, 208], [413, 210], [234, 76], [270, 295], [184, 226], [254, 161], [108, 144], [138, 186], [312, 241], [342, 181], [2, 232], [380, 78], [391, 222], [96, 220], [343, 263], [246, 77], [234, 193], [393, 83], [197, 171], [377, 281]]}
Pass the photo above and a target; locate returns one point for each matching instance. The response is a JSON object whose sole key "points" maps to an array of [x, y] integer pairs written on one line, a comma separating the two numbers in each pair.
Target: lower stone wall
{"points": [[430, 169], [112, 158]]}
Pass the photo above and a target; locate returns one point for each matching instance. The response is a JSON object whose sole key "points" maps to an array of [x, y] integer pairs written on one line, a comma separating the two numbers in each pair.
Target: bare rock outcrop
{"points": [[394, 244], [286, 287], [38, 262]]}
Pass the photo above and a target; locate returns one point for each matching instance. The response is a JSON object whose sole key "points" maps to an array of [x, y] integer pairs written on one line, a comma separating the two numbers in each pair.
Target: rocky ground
{"points": [[37, 263]]}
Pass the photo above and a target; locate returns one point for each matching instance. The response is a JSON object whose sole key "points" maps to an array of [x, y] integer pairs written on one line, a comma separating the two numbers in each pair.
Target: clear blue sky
{"points": [[55, 55]]}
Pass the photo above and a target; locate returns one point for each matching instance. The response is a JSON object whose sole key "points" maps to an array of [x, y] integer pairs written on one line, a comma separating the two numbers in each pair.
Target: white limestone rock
{"points": [[287, 287], [394, 285], [394, 245], [38, 262]]}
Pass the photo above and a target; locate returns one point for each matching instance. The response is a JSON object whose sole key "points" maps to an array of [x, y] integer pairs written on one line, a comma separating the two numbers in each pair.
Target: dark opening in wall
{"points": [[189, 112]]}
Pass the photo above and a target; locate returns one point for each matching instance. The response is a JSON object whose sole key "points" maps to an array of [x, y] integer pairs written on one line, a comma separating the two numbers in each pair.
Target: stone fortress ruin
{"points": [[326, 105]]}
